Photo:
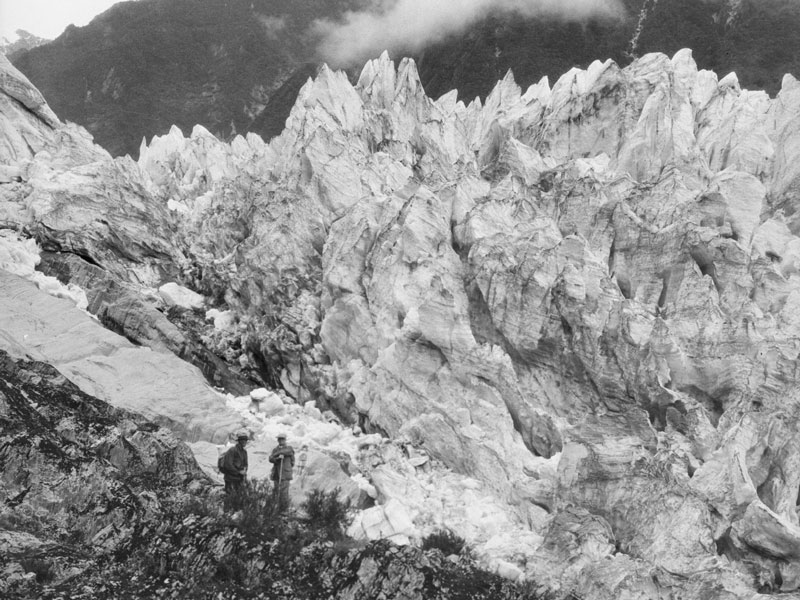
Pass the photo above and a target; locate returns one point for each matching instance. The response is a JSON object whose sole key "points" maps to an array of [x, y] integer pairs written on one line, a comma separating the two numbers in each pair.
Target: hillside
{"points": [[141, 67], [756, 40]]}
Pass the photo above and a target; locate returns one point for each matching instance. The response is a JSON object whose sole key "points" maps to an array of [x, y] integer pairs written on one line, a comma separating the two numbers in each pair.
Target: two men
{"points": [[282, 459], [233, 465]]}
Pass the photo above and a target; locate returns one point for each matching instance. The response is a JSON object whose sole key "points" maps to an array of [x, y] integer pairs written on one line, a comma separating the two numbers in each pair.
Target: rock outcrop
{"points": [[79, 478]]}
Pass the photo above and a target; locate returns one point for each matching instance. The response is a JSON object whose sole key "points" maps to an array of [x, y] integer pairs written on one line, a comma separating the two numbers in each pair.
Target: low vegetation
{"points": [[244, 547], [444, 540], [325, 512]]}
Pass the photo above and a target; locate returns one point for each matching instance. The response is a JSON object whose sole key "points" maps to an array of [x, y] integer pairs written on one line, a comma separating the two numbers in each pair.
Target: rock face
{"points": [[583, 295], [79, 478]]}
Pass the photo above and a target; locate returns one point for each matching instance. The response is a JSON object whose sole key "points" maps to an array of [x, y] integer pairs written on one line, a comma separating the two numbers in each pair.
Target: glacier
{"points": [[578, 302]]}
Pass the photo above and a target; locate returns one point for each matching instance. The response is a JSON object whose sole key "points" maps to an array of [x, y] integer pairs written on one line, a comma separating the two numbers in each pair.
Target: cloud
{"points": [[412, 24], [274, 26]]}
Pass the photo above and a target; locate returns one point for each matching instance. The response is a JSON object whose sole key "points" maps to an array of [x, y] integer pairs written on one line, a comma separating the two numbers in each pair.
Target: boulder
{"points": [[390, 521], [177, 295], [322, 472]]}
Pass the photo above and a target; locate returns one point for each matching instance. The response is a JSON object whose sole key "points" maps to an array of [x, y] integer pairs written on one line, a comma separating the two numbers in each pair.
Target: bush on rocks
{"points": [[327, 513], [444, 540]]}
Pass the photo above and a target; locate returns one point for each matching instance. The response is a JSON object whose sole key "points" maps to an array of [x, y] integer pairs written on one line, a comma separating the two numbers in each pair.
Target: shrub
{"points": [[444, 540], [325, 512], [256, 511]]}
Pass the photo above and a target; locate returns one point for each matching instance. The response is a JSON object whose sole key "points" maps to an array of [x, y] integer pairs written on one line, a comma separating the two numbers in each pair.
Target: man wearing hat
{"points": [[234, 464], [282, 459]]}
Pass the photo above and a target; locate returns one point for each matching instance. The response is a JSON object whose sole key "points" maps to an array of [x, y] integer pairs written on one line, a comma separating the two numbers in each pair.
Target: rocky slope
{"points": [[582, 297], [236, 66], [79, 479], [98, 502]]}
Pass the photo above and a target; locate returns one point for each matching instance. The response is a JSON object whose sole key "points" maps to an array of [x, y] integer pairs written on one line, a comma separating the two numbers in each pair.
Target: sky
{"points": [[47, 18]]}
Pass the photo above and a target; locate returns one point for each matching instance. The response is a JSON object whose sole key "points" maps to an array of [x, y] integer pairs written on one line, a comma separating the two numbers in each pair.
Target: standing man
{"points": [[282, 459], [234, 465]]}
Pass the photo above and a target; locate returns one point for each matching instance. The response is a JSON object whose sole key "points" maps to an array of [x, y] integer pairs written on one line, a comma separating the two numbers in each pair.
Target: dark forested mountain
{"points": [[236, 65], [758, 39], [141, 67]]}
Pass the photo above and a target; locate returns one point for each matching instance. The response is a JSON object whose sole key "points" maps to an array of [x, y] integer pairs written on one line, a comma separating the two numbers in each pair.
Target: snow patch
{"points": [[223, 321], [20, 257]]}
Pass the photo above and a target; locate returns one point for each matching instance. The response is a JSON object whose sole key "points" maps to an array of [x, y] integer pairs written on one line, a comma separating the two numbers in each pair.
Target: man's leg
{"points": [[226, 502], [233, 490], [284, 494], [276, 499]]}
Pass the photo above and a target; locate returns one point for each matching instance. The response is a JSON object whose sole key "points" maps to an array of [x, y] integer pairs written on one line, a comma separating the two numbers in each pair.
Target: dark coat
{"points": [[234, 462], [287, 452]]}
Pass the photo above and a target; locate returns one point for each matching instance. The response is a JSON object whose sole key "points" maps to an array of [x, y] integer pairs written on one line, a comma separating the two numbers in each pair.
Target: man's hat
{"points": [[281, 436], [242, 436]]}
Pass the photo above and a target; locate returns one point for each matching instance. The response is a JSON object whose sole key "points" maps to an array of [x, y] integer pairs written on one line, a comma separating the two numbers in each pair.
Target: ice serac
{"points": [[584, 296], [68, 192], [18, 98], [587, 270]]}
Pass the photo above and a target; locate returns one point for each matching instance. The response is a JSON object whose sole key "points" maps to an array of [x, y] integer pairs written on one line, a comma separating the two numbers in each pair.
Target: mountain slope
{"points": [[80, 479], [142, 67]]}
